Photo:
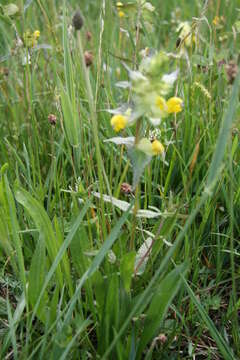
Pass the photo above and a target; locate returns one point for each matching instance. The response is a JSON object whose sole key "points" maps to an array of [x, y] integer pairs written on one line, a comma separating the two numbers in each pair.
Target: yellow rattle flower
{"points": [[121, 14], [36, 34], [118, 122], [119, 4], [174, 105], [157, 148], [161, 103]]}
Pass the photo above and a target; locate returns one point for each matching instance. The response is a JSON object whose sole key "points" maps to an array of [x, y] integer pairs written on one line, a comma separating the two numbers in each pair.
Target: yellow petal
{"points": [[174, 105], [118, 122], [121, 14], [36, 34], [161, 103], [157, 147]]}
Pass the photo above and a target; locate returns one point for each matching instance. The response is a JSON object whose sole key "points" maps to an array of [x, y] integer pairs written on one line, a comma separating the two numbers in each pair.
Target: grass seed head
{"points": [[88, 57]]}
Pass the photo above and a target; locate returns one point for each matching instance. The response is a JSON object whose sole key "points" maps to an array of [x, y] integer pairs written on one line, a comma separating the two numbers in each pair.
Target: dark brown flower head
{"points": [[88, 56], [77, 20], [52, 119]]}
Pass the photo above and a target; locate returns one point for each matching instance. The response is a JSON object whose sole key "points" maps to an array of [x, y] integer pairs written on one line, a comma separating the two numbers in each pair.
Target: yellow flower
{"points": [[157, 148], [216, 20], [36, 34], [174, 105], [161, 103], [119, 4], [118, 122], [121, 14]]}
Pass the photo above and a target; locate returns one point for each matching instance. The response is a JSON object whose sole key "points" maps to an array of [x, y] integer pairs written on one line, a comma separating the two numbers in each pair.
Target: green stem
{"points": [[89, 94]]}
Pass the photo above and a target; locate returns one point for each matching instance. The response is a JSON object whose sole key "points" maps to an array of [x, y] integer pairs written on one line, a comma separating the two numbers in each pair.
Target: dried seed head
{"points": [[52, 119], [88, 56], [77, 20]]}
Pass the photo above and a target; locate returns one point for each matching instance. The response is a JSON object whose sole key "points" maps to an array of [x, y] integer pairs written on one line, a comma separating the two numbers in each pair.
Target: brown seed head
{"points": [[88, 56], [52, 119], [77, 20], [126, 188]]}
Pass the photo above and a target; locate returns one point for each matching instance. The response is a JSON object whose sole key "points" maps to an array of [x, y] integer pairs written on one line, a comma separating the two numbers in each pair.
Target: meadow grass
{"points": [[82, 275]]}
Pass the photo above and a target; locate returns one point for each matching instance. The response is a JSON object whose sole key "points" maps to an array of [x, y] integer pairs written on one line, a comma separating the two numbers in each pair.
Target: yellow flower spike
{"points": [[119, 4], [121, 14], [161, 103], [157, 148], [174, 105], [36, 34], [118, 122]]}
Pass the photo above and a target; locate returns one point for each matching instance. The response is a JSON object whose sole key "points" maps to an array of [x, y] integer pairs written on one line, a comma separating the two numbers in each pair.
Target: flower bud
{"points": [[77, 20]]}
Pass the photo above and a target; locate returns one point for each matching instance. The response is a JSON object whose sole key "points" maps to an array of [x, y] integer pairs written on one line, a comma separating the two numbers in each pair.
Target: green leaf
{"points": [[110, 316], [36, 277], [43, 223], [162, 299], [108, 243], [139, 161], [127, 269], [60, 254]]}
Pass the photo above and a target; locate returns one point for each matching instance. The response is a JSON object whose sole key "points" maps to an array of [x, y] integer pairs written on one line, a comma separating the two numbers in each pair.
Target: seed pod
{"points": [[77, 20]]}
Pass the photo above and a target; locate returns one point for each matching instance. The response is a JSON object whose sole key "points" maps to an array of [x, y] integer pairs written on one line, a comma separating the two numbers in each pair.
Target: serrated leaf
{"points": [[118, 140], [124, 206], [142, 256]]}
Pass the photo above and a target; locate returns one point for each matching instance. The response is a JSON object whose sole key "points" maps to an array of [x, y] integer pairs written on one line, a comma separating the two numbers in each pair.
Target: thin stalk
{"points": [[89, 94]]}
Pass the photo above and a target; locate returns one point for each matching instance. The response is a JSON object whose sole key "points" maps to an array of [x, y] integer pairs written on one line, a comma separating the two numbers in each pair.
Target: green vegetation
{"points": [[122, 248]]}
